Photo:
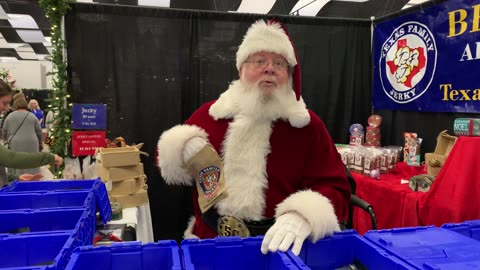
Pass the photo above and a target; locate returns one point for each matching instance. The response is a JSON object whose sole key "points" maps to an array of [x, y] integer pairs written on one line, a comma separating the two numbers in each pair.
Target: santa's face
{"points": [[265, 70]]}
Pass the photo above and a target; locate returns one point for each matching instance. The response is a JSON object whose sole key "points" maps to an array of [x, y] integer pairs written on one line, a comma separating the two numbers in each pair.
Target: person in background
{"points": [[9, 109], [49, 121], [20, 160], [283, 175], [21, 132], [35, 109]]}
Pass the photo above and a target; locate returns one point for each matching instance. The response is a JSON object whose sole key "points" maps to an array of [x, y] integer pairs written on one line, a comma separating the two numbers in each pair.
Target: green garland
{"points": [[55, 10]]}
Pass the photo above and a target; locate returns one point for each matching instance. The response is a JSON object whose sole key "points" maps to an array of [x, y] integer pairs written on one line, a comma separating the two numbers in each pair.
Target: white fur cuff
{"points": [[188, 234], [315, 208], [170, 153]]}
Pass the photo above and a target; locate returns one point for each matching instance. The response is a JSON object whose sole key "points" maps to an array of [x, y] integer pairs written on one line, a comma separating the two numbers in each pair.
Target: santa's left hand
{"points": [[290, 228]]}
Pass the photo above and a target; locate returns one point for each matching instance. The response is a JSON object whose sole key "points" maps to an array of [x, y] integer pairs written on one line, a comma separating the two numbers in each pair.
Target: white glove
{"points": [[192, 147], [289, 228]]}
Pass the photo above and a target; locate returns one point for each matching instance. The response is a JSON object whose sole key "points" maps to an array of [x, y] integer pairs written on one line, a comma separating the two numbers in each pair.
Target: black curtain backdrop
{"points": [[153, 67]]}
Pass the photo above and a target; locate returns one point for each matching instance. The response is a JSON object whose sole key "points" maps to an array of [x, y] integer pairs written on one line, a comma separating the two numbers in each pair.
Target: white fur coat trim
{"points": [[315, 208], [245, 150], [229, 105], [188, 234], [268, 38], [170, 150]]}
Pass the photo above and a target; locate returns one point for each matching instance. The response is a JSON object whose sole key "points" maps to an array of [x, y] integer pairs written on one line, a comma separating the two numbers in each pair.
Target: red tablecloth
{"points": [[388, 197], [454, 196]]}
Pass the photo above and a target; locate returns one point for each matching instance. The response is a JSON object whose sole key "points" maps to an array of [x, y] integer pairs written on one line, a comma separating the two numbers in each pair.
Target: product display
{"points": [[411, 151], [421, 182], [357, 134], [370, 161], [466, 127], [373, 136]]}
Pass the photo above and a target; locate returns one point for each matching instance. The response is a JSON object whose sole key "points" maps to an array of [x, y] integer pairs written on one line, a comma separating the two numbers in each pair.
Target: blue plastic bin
{"points": [[68, 185], [232, 253], [345, 248], [102, 202], [40, 220], [40, 251], [469, 228], [47, 199], [163, 255], [429, 248]]}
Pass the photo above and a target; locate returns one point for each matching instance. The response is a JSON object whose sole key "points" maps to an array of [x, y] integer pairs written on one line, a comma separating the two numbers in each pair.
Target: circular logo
{"points": [[407, 62], [209, 178]]}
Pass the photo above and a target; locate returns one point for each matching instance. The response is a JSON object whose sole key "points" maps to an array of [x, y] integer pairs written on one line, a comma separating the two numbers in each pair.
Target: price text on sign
{"points": [[84, 143], [89, 116]]}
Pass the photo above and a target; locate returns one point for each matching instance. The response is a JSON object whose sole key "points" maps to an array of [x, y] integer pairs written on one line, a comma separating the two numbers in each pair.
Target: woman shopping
{"points": [[21, 160]]}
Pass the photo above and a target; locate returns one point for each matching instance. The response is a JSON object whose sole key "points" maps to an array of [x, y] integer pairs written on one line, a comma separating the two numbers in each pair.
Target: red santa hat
{"points": [[270, 37]]}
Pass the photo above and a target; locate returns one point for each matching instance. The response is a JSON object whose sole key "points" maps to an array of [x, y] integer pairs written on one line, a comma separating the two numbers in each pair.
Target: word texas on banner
{"points": [[429, 60]]}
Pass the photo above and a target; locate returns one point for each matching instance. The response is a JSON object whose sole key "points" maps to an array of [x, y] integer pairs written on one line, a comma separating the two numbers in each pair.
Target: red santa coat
{"points": [[270, 167]]}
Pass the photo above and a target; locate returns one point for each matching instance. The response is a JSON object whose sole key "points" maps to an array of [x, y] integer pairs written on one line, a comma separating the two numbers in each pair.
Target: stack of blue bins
{"points": [[41, 223], [425, 248], [333, 252]]}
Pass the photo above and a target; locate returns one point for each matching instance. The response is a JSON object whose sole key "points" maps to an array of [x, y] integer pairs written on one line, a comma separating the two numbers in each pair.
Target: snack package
{"points": [[413, 158], [410, 139]]}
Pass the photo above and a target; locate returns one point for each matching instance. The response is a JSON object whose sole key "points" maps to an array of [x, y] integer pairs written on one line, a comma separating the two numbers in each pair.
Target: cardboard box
{"points": [[435, 169], [118, 157], [132, 200], [119, 173], [434, 161], [445, 143], [129, 186]]}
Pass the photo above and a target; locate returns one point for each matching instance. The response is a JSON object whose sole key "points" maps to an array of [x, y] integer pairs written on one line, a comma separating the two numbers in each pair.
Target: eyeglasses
{"points": [[278, 64]]}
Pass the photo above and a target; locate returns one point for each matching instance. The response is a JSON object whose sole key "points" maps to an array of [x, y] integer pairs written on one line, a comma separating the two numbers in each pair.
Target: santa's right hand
{"points": [[192, 147]]}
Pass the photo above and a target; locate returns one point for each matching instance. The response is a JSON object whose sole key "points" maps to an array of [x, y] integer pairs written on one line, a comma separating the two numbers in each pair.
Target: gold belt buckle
{"points": [[232, 226]]}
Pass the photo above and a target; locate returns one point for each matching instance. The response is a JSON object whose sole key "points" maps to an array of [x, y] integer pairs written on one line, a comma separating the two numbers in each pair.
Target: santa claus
{"points": [[283, 175]]}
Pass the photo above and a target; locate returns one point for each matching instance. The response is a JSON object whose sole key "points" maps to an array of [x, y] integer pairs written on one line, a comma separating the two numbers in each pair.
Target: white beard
{"points": [[246, 148], [261, 105]]}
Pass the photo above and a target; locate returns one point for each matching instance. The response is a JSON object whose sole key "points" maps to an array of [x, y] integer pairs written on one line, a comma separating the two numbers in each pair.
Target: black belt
{"points": [[228, 226]]}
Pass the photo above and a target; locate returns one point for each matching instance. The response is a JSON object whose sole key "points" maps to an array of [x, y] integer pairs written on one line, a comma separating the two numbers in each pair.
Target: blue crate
{"points": [[35, 252], [40, 220], [96, 186], [163, 255], [65, 185], [469, 228], [429, 247], [345, 248], [233, 253], [47, 199]]}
